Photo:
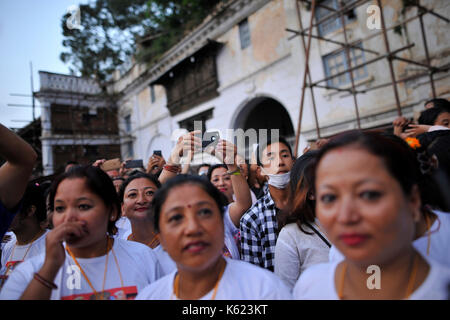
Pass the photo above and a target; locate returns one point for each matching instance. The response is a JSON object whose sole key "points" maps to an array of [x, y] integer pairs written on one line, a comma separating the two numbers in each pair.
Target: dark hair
{"points": [[137, 175], [34, 196], [429, 116], [98, 182], [161, 195], [302, 180], [435, 186], [214, 167], [262, 146], [398, 157], [439, 103]]}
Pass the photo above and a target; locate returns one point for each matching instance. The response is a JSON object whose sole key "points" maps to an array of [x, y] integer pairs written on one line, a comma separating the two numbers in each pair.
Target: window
{"points": [[86, 119], [87, 116], [127, 123], [129, 152], [152, 94], [336, 62], [189, 124], [244, 33], [333, 24], [90, 151]]}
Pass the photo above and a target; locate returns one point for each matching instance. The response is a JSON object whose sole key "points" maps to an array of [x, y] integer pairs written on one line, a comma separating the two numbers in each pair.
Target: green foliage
{"points": [[111, 29]]}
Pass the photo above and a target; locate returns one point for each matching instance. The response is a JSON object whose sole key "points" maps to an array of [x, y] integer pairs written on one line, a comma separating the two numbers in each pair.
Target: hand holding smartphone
{"points": [[113, 164]]}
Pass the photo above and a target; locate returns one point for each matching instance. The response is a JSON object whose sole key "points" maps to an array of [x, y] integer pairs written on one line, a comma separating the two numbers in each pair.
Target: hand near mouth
{"points": [[70, 232]]}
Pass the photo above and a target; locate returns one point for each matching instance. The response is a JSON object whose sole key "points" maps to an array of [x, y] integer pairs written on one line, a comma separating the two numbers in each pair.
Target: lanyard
{"points": [[109, 247], [152, 244]]}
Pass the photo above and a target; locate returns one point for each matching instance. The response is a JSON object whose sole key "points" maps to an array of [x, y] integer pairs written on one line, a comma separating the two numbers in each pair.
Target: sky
{"points": [[30, 31]]}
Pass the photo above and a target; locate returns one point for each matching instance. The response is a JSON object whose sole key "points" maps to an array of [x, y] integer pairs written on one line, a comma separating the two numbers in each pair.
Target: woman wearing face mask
{"points": [[368, 202], [188, 214], [82, 260], [261, 223], [136, 194]]}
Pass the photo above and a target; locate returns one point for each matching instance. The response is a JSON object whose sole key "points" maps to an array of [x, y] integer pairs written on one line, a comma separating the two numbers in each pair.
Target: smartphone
{"points": [[210, 139], [113, 164], [134, 164], [157, 153]]}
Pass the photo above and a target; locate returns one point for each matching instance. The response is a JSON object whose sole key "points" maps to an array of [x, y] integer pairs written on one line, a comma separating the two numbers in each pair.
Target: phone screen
{"points": [[210, 138], [134, 164]]}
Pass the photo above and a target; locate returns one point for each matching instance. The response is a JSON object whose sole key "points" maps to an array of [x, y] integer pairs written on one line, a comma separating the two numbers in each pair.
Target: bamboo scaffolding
{"points": [[389, 55]]}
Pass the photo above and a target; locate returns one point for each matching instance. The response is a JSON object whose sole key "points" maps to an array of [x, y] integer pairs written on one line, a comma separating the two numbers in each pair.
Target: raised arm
{"points": [[226, 151], [15, 173], [189, 141]]}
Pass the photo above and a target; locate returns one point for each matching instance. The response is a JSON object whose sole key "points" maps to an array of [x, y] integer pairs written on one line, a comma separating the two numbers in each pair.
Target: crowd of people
{"points": [[273, 228]]}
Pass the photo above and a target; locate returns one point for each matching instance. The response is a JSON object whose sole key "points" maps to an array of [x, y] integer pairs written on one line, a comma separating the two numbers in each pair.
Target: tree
{"points": [[112, 28]]}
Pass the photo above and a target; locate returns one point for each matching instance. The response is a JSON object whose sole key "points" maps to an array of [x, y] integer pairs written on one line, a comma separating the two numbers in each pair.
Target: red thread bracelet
{"points": [[172, 168], [44, 282]]}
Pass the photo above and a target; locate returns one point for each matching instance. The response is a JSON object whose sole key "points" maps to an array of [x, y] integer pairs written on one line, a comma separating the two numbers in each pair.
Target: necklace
{"points": [[409, 287], [152, 243], [10, 266], [100, 295], [29, 246], [176, 285]]}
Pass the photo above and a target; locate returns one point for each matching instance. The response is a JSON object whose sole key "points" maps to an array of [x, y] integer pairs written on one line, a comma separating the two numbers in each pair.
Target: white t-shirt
{"points": [[317, 283], [13, 255], [166, 262], [231, 249], [138, 267], [295, 251], [10, 234], [439, 241], [240, 281], [123, 228]]}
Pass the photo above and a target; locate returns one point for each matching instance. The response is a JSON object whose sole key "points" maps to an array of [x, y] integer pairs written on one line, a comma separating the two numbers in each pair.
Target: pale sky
{"points": [[30, 30]]}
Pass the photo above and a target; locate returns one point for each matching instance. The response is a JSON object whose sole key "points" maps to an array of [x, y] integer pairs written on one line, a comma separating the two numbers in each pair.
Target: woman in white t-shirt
{"points": [[136, 195], [229, 180], [29, 236], [188, 214], [82, 260], [368, 202], [432, 240], [301, 242], [219, 175]]}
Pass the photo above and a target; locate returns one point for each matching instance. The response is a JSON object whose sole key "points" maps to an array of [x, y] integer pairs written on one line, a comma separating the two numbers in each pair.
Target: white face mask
{"points": [[279, 181]]}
